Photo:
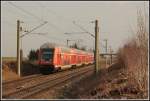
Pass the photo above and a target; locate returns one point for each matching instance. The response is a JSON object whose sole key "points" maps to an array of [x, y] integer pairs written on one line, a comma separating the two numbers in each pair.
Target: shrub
{"points": [[134, 57]]}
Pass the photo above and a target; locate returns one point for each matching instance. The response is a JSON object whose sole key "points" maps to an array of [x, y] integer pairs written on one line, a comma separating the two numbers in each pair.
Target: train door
{"points": [[58, 59]]}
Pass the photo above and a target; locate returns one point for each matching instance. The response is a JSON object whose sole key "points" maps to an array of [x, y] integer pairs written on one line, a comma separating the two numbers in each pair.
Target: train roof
{"points": [[63, 48], [49, 45]]}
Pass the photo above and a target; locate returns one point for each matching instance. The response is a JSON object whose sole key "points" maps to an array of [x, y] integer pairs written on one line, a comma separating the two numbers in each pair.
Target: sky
{"points": [[117, 21]]}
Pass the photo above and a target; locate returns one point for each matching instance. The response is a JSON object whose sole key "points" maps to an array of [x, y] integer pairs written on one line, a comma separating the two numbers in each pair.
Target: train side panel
{"points": [[64, 58], [57, 59]]}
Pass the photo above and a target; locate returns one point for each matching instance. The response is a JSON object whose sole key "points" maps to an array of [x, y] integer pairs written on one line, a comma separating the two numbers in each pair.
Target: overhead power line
{"points": [[56, 14], [25, 11], [83, 29], [38, 18], [59, 16], [34, 29], [39, 33], [53, 38], [74, 32], [52, 12]]}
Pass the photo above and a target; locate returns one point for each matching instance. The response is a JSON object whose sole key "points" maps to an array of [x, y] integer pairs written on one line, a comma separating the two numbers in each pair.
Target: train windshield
{"points": [[47, 54]]}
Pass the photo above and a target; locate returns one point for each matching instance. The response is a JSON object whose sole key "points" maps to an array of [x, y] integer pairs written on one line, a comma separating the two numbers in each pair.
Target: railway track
{"points": [[12, 86], [48, 81], [21, 79]]}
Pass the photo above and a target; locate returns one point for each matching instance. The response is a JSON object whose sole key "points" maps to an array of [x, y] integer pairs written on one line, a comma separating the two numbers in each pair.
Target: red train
{"points": [[53, 57]]}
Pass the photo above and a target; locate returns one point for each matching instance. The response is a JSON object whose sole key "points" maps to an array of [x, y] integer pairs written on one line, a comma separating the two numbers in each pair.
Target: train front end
{"points": [[46, 60]]}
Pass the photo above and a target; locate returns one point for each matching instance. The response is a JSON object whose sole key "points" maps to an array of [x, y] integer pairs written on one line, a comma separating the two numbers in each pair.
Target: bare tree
{"points": [[134, 56]]}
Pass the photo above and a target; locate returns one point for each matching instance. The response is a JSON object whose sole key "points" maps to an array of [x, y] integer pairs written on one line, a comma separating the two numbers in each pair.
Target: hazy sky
{"points": [[117, 20]]}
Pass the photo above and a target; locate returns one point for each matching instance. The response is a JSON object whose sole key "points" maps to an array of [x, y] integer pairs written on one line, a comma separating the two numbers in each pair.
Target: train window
{"points": [[47, 56]]}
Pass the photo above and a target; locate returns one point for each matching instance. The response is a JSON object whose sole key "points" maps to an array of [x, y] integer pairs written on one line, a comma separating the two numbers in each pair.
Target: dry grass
{"points": [[8, 73], [108, 83], [134, 57], [9, 69]]}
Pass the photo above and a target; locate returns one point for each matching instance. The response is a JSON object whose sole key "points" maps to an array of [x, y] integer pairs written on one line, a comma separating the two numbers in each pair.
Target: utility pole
{"points": [[110, 55], [96, 46], [106, 45], [67, 42], [21, 58], [20, 51], [18, 47]]}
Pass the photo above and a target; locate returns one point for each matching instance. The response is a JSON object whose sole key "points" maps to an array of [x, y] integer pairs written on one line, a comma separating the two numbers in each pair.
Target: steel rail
{"points": [[12, 94]]}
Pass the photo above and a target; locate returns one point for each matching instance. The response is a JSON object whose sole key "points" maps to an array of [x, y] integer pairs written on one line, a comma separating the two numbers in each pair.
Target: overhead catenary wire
{"points": [[60, 17], [54, 13], [87, 32], [54, 38], [13, 14], [26, 11], [34, 29], [83, 29], [56, 27], [38, 18], [66, 20]]}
